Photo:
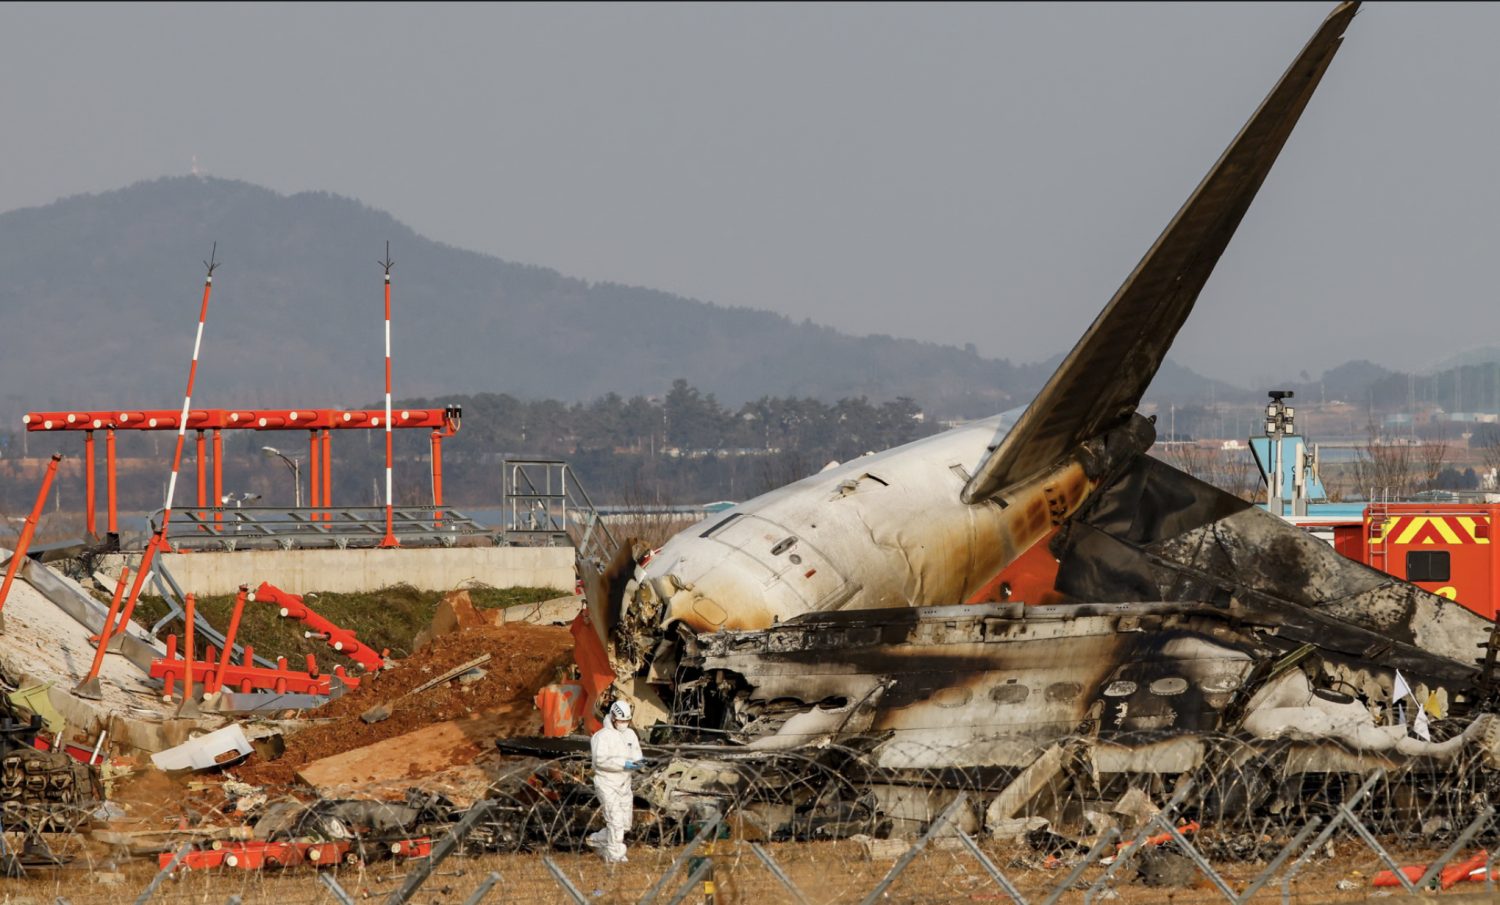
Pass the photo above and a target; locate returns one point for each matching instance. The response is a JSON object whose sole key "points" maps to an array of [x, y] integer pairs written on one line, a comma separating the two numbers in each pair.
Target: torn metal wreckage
{"points": [[865, 610]]}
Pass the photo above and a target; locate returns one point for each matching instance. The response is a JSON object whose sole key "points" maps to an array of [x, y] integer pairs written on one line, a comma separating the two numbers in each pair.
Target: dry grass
{"points": [[827, 873]]}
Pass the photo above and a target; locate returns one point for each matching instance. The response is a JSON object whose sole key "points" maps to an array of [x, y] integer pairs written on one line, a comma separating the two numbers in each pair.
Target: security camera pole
{"points": [[89, 688], [390, 535]]}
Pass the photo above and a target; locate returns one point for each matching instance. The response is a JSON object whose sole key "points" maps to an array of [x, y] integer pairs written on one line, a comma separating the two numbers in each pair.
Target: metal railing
{"points": [[546, 503], [329, 526]]}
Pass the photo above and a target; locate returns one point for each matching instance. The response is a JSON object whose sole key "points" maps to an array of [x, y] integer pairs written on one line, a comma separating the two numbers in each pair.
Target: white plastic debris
{"points": [[206, 752]]}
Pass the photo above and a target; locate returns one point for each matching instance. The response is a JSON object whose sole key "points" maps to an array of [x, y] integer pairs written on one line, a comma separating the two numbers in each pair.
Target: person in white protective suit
{"points": [[617, 753]]}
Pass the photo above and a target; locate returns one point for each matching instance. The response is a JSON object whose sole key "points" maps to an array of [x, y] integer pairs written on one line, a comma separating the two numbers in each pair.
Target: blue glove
{"points": [[632, 765]]}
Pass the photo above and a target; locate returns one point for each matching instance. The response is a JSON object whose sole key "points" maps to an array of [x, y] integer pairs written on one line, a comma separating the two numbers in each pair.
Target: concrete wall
{"points": [[353, 571]]}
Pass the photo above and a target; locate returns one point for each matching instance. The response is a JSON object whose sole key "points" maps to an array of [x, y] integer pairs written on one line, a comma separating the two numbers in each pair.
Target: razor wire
{"points": [[1242, 821]]}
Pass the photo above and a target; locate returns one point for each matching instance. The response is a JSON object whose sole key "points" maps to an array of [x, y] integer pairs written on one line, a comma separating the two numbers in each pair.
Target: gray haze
{"points": [[963, 174]]}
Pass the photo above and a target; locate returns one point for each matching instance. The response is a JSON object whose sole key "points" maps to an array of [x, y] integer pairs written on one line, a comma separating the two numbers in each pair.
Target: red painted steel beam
{"points": [[204, 419], [341, 640], [173, 669], [19, 555]]}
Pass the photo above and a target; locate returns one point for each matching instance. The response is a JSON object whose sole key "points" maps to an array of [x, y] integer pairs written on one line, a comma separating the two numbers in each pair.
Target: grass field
{"points": [[386, 619]]}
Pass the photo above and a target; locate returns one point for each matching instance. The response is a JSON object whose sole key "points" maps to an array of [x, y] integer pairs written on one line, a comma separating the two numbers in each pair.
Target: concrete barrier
{"points": [[358, 571]]}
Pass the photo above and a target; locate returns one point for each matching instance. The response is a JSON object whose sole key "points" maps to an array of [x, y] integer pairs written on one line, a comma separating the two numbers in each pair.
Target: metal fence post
{"points": [[1198, 859], [989, 867], [1184, 786], [916, 849], [1109, 836], [563, 881], [483, 889], [1279, 860], [703, 870], [1286, 881], [1437, 866], [702, 837], [1377, 848], [162, 874], [333, 886], [424, 868], [781, 876]]}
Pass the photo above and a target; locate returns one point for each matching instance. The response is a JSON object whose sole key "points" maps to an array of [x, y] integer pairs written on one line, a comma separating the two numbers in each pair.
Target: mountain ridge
{"points": [[101, 291]]}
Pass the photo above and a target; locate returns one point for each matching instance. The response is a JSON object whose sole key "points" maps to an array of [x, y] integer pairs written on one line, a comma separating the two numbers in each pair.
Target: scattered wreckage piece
{"points": [[216, 749], [43, 791]]}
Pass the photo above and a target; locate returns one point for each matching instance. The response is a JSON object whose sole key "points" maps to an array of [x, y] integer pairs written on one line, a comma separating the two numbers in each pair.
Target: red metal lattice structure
{"points": [[319, 423]]}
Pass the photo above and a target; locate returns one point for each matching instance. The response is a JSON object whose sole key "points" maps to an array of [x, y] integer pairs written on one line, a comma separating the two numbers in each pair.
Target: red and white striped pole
{"points": [[159, 538], [390, 535]]}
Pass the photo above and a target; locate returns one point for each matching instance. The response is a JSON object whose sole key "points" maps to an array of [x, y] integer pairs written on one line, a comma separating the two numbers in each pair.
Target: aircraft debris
{"points": [[215, 750], [1185, 632]]}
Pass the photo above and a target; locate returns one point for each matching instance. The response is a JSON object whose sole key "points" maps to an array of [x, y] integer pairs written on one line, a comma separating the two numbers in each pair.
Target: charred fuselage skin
{"points": [[885, 530], [992, 685]]}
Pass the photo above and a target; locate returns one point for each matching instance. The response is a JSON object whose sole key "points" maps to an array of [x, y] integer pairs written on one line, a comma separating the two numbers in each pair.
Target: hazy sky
{"points": [[969, 173]]}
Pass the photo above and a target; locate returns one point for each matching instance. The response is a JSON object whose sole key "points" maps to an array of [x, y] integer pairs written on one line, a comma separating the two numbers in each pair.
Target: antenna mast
{"points": [[390, 535]]}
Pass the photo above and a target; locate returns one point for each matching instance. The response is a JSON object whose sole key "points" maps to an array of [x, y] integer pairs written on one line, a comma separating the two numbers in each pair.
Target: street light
{"points": [[272, 452], [228, 498]]}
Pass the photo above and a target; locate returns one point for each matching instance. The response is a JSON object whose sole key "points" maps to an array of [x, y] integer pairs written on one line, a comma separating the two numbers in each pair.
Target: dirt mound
{"points": [[523, 658]]}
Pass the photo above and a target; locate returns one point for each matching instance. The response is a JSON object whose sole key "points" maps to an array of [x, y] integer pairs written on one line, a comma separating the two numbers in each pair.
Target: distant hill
{"points": [[101, 293]]}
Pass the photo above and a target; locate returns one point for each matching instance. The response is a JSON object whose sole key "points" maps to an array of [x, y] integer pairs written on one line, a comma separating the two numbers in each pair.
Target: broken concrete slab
{"points": [[454, 614], [558, 611], [360, 571]]}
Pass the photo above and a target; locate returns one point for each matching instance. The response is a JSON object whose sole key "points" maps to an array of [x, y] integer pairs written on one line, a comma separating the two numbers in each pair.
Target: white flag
{"points": [[1401, 689], [1419, 725]]}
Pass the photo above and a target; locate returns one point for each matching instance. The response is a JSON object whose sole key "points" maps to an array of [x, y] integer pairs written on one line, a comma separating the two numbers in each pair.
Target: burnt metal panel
{"points": [[1131, 544]]}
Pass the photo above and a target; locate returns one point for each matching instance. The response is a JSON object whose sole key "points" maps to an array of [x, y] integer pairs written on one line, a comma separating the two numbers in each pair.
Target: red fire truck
{"points": [[1440, 547]]}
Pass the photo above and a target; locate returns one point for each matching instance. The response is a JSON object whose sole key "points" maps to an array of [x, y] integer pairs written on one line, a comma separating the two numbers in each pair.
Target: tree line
{"points": [[682, 447]]}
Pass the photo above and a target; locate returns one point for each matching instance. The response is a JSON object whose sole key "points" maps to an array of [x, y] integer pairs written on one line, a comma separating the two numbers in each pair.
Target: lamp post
{"points": [[228, 498], [272, 452]]}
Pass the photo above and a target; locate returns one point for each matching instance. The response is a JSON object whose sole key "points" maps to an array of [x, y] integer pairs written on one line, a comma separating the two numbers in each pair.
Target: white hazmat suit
{"points": [[615, 749]]}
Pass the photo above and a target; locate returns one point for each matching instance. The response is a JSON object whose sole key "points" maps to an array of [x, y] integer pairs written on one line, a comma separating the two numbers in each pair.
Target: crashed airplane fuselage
{"points": [[844, 605]]}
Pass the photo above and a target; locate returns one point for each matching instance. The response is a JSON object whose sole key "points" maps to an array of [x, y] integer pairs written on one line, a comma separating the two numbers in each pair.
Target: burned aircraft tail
{"points": [[1100, 383]]}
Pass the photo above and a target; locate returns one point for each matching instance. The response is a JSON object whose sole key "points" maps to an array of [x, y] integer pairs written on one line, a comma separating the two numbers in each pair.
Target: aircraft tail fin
{"points": [[1100, 384]]}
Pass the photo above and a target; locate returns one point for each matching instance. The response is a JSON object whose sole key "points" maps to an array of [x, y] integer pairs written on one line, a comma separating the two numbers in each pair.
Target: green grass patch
{"points": [[389, 618]]}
